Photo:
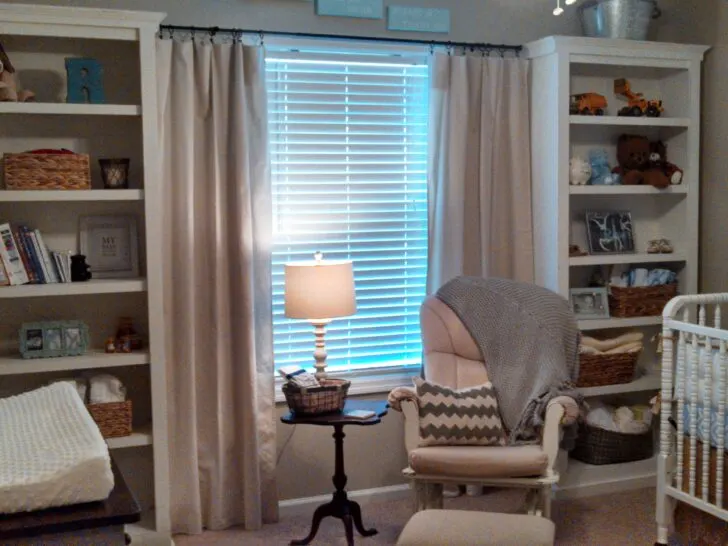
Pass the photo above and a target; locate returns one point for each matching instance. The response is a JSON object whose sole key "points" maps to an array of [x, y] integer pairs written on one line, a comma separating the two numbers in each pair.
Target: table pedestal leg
{"points": [[349, 512]]}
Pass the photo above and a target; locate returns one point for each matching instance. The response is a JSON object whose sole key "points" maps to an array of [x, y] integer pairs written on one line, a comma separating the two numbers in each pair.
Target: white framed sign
{"points": [[110, 244]]}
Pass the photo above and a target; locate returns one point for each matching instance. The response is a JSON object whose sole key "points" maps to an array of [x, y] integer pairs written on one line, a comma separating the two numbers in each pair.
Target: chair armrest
{"points": [[402, 394], [561, 410], [404, 399]]}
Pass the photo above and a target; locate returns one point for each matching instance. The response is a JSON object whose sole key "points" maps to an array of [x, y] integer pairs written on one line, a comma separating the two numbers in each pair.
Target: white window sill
{"points": [[364, 382]]}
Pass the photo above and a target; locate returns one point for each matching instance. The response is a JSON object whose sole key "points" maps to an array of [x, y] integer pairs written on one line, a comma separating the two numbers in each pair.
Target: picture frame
{"points": [[589, 303], [610, 232], [51, 339], [111, 246]]}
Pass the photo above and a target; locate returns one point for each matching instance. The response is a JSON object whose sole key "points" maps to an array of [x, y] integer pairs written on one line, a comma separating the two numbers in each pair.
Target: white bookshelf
{"points": [[561, 66], [39, 38]]}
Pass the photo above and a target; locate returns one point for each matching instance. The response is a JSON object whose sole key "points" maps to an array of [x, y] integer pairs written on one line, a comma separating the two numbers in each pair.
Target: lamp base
{"points": [[320, 354]]}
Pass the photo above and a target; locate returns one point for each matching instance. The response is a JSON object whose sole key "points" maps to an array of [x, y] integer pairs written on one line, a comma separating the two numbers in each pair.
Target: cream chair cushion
{"points": [[464, 528], [479, 462]]}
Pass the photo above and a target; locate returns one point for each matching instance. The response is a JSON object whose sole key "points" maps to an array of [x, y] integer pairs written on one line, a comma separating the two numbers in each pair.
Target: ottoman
{"points": [[466, 528]]}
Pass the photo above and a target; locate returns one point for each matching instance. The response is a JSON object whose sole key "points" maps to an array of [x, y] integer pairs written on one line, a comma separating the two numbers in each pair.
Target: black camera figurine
{"points": [[80, 270]]}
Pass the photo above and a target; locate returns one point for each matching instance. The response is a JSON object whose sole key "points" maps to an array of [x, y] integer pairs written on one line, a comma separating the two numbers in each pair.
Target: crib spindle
{"points": [[693, 347], [706, 365], [722, 393], [681, 379]]}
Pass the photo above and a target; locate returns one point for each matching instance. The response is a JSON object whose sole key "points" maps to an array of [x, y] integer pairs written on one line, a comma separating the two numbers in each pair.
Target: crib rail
{"points": [[694, 398]]}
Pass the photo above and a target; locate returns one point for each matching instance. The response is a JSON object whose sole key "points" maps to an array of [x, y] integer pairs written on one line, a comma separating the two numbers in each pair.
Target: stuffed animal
{"points": [[602, 174], [9, 84], [579, 171], [633, 156], [658, 160]]}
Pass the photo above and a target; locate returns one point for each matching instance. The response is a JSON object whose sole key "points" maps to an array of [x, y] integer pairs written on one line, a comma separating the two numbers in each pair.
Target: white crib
{"points": [[693, 419]]}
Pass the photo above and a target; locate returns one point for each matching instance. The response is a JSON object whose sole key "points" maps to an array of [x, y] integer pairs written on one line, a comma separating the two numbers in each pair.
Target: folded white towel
{"points": [[105, 388]]}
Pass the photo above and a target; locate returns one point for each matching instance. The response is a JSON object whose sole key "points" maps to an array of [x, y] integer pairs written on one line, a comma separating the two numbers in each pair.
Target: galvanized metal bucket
{"points": [[628, 19]]}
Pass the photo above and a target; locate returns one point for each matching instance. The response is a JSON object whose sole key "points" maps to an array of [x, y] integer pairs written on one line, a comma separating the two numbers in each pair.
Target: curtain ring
{"points": [[432, 48], [261, 35]]}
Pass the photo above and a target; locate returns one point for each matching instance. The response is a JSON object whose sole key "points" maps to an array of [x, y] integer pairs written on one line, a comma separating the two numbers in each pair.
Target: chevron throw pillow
{"points": [[462, 417]]}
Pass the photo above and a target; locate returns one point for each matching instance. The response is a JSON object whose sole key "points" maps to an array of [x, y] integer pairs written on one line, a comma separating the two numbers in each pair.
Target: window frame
{"points": [[373, 380]]}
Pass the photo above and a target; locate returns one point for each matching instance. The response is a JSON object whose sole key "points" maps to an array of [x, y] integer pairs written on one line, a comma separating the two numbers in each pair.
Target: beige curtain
{"points": [[480, 176], [218, 285]]}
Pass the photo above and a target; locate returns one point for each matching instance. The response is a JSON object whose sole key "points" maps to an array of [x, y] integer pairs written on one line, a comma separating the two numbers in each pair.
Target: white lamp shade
{"points": [[319, 290]]}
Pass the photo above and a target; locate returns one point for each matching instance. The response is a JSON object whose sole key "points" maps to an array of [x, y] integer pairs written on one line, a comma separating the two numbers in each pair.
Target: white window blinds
{"points": [[349, 167]]}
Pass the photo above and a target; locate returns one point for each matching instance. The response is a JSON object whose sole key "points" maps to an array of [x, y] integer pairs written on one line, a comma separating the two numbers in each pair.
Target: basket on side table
{"points": [[330, 397], [113, 418]]}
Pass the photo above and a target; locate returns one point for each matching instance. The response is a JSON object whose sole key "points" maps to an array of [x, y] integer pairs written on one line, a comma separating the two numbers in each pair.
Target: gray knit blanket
{"points": [[529, 340]]}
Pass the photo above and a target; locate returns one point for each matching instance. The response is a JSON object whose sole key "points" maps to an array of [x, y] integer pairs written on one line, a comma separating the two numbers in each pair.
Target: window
{"points": [[348, 136]]}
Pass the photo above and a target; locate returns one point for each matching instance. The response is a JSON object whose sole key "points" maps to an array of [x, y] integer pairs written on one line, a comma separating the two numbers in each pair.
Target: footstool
{"points": [[467, 528]]}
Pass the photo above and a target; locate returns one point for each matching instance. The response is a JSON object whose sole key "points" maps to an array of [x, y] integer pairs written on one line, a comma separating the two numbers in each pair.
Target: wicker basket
{"points": [[600, 370], [712, 471], [640, 301], [330, 397], [598, 446], [113, 418], [63, 171]]}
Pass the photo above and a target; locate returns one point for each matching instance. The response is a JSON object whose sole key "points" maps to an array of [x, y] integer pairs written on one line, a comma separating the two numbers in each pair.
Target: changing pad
{"points": [[51, 451]]}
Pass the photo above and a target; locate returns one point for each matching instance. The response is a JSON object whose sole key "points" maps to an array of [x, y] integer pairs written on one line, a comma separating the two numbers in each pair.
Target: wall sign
{"points": [[418, 19], [365, 9]]}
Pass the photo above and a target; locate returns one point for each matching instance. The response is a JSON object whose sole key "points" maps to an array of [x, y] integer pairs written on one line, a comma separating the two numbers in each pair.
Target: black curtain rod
{"points": [[212, 31]]}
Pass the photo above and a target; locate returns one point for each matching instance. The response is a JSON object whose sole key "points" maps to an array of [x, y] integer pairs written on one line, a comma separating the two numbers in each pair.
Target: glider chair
{"points": [[452, 359]]}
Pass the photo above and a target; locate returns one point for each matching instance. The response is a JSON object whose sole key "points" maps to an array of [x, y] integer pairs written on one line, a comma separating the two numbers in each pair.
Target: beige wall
{"points": [[375, 455]]}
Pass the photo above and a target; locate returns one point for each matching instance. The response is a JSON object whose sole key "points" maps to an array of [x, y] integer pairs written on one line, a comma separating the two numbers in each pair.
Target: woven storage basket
{"points": [[640, 301], [112, 418], [330, 397], [600, 370], [598, 446], [30, 171], [712, 471]]}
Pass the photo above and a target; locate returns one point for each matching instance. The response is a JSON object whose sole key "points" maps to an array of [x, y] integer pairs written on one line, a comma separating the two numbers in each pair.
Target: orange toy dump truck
{"points": [[637, 105], [587, 104]]}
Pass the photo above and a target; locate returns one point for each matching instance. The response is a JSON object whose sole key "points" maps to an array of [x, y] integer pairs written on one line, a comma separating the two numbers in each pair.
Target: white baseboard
{"points": [[306, 505], [605, 487]]}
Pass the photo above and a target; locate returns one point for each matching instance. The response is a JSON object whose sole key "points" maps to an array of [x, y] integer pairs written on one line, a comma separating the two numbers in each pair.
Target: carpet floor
{"points": [[623, 519]]}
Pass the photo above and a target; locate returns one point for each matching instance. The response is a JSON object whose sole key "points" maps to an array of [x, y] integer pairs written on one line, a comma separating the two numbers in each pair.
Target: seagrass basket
{"points": [[610, 369], [112, 418], [640, 301], [598, 446], [330, 397], [37, 171]]}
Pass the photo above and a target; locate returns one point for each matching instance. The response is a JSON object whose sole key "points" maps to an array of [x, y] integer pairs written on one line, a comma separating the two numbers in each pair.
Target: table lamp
{"points": [[319, 291]]}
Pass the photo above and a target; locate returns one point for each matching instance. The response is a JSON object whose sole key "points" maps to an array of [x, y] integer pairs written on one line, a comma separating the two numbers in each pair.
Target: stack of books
{"points": [[25, 259]]}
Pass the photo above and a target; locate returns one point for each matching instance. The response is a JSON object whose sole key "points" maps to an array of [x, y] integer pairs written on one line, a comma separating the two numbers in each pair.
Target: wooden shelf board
{"points": [[680, 189], [603, 324], [101, 286], [637, 258], [14, 365], [61, 108], [141, 436], [70, 195], [645, 383], [626, 120]]}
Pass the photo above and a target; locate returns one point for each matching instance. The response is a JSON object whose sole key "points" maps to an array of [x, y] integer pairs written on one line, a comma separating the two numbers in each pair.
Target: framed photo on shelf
{"points": [[53, 339], [610, 232], [110, 244], [589, 303]]}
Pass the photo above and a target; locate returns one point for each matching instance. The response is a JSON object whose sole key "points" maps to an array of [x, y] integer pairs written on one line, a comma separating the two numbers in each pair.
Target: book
{"points": [[360, 414], [11, 257], [49, 266], [25, 256], [4, 281], [35, 254]]}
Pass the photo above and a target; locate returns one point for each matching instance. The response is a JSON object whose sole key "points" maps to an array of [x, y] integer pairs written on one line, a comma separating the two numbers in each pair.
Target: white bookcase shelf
{"points": [[101, 286], [38, 39], [636, 258], [628, 121], [65, 109], [562, 66], [20, 196], [14, 365]]}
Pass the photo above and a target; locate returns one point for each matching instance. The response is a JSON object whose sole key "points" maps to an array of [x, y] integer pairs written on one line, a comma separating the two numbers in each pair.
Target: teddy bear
{"points": [[633, 157], [9, 84], [658, 160]]}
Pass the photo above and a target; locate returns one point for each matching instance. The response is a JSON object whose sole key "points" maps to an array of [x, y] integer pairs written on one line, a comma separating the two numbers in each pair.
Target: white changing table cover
{"points": [[51, 451]]}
